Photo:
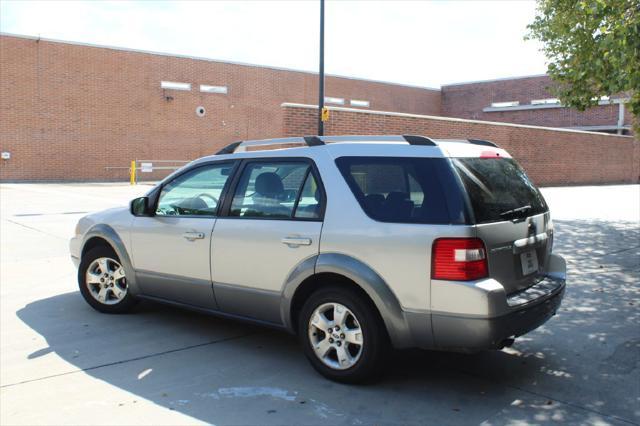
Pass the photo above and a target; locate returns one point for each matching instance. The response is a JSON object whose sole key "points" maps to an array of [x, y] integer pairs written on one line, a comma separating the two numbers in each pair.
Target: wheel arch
{"points": [[105, 235], [94, 242], [348, 271]]}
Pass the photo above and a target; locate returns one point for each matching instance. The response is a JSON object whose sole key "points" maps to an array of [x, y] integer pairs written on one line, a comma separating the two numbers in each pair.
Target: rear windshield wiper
{"points": [[517, 211]]}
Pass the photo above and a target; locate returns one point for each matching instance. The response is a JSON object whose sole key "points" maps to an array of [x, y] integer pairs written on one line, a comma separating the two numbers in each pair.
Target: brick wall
{"points": [[468, 101], [67, 111], [550, 156]]}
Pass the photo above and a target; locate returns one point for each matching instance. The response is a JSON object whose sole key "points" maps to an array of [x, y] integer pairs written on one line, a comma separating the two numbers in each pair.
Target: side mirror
{"points": [[140, 207]]}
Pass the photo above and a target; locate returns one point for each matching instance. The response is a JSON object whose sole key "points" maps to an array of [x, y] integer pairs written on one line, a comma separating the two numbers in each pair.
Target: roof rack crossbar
{"points": [[482, 142]]}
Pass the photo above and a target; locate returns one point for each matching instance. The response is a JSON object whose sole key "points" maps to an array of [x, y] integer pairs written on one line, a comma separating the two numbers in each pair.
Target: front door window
{"points": [[195, 193]]}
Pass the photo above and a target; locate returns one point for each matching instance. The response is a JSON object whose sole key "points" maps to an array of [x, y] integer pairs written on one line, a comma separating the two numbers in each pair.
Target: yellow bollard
{"points": [[132, 172]]}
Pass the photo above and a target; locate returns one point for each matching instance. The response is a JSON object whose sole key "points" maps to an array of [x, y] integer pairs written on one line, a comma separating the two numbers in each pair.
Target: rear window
{"points": [[404, 189], [498, 189]]}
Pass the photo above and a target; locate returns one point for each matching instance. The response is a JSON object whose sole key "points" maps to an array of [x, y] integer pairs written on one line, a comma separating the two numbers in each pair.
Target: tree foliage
{"points": [[593, 48]]}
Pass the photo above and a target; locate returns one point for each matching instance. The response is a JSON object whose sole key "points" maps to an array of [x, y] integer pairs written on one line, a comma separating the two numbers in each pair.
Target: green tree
{"points": [[593, 49]]}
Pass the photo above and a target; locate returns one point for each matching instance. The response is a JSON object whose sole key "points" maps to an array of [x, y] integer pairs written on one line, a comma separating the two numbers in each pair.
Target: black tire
{"points": [[375, 347], [123, 306]]}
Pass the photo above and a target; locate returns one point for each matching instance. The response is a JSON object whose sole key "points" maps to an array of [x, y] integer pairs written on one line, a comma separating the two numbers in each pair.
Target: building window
{"points": [[602, 99], [332, 100], [213, 89], [359, 103], [173, 85], [548, 101], [504, 104]]}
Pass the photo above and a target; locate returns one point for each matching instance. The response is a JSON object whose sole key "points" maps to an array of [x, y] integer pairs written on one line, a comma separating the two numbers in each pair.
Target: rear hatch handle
{"points": [[528, 243]]}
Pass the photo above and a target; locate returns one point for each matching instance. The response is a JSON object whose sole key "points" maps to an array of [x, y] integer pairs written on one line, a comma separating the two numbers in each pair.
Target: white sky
{"points": [[410, 42]]}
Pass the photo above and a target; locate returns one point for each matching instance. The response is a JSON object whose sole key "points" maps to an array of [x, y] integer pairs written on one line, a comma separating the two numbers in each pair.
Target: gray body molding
{"points": [[108, 234], [365, 277], [304, 270]]}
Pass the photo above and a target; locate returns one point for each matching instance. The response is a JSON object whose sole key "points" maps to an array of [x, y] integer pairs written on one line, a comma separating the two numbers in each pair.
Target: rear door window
{"points": [[277, 190], [498, 189], [402, 189]]}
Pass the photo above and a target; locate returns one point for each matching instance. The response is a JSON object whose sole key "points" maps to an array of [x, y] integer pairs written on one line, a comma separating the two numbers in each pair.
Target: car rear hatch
{"points": [[511, 217]]}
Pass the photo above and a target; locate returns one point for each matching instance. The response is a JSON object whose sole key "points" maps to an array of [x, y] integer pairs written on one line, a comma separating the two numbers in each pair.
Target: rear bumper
{"points": [[471, 316], [473, 333]]}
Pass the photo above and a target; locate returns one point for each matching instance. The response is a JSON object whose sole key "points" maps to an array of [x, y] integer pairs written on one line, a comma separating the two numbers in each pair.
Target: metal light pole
{"points": [[321, 73]]}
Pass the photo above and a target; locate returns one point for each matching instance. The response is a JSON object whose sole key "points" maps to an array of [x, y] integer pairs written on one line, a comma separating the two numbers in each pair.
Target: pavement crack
{"points": [[34, 229], [46, 214], [138, 358], [621, 250]]}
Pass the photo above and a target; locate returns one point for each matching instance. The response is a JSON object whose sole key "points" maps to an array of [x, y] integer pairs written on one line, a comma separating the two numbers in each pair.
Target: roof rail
{"points": [[313, 141], [482, 142], [322, 140], [419, 140], [241, 146], [229, 149], [411, 139]]}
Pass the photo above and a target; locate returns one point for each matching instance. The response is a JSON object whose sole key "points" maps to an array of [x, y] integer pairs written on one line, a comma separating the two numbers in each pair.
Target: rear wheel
{"points": [[103, 282], [342, 335]]}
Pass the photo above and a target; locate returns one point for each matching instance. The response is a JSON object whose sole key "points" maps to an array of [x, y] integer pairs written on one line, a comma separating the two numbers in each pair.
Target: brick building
{"points": [[528, 100], [70, 111]]}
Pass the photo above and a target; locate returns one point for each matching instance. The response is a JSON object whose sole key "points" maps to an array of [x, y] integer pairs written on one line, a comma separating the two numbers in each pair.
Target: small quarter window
{"points": [[309, 201]]}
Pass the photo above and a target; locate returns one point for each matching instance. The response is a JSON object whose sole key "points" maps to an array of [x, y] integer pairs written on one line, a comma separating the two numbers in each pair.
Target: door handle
{"points": [[192, 236], [296, 241]]}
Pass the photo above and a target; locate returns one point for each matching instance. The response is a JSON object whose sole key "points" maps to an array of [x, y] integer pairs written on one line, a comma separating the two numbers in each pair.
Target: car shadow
{"points": [[582, 365]]}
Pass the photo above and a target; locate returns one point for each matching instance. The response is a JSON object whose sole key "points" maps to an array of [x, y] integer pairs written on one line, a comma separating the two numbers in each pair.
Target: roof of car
{"points": [[376, 145]]}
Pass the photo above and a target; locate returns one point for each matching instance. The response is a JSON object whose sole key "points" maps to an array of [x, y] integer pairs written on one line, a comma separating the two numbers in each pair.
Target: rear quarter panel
{"points": [[399, 253]]}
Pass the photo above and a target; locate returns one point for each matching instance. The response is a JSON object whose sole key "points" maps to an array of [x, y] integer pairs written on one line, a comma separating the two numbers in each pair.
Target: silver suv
{"points": [[355, 243]]}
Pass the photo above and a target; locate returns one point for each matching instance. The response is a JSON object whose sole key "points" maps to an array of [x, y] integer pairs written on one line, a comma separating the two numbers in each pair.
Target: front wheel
{"points": [[103, 282], [342, 335]]}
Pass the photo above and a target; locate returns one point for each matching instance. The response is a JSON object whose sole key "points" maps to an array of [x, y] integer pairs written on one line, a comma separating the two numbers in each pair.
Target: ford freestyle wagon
{"points": [[357, 244]]}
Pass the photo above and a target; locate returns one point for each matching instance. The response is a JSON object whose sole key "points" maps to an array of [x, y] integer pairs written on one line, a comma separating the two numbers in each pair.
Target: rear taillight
{"points": [[458, 259]]}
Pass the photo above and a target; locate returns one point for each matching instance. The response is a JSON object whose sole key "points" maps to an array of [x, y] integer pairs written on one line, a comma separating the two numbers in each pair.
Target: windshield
{"points": [[498, 189]]}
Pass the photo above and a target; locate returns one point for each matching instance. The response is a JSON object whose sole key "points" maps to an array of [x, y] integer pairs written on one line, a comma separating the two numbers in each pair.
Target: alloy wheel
{"points": [[106, 281], [335, 336]]}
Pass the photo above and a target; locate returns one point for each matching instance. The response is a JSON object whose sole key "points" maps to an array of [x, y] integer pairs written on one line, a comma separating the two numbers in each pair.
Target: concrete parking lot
{"points": [[63, 363]]}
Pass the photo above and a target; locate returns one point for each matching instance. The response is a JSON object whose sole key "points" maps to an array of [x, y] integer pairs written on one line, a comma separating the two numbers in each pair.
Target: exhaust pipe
{"points": [[507, 343]]}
